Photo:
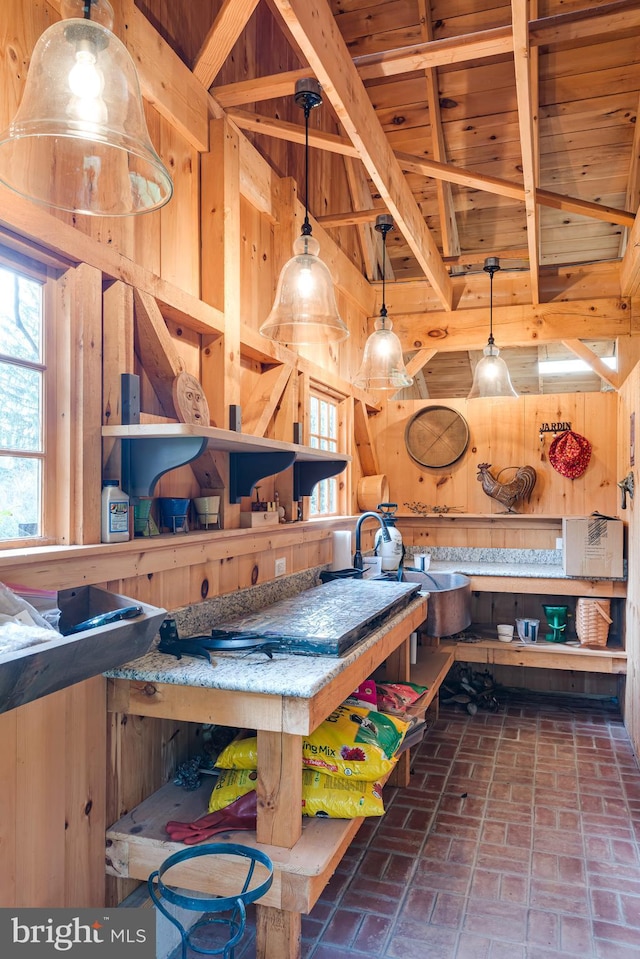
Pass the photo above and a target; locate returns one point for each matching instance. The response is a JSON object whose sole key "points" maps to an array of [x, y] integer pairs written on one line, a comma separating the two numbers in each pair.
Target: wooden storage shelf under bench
{"points": [[138, 843], [542, 655]]}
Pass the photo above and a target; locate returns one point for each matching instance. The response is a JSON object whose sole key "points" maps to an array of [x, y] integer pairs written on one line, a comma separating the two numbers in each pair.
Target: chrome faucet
{"points": [[357, 558]]}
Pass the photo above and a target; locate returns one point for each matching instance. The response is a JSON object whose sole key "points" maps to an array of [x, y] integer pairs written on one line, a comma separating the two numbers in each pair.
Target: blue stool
{"points": [[234, 905]]}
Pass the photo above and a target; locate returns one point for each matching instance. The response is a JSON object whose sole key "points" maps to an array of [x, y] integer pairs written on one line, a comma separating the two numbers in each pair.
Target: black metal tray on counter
{"points": [[326, 620]]}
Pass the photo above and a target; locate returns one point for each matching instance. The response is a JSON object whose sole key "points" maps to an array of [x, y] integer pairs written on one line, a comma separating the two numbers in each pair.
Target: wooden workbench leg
{"points": [[277, 933], [279, 791], [398, 670]]}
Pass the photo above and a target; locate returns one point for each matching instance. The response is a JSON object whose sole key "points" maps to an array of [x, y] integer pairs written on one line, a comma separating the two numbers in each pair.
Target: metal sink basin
{"points": [[449, 606]]}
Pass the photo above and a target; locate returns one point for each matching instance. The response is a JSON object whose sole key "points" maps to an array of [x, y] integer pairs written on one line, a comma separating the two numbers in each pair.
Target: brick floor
{"points": [[518, 838]]}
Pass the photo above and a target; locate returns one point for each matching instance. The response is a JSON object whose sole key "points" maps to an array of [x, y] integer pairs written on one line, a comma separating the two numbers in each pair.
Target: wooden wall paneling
{"points": [[143, 756], [86, 402], [229, 577], [147, 229], [179, 219], [257, 276], [504, 433], [84, 779], [204, 582], [9, 839], [561, 496], [498, 437], [41, 800], [221, 250]]}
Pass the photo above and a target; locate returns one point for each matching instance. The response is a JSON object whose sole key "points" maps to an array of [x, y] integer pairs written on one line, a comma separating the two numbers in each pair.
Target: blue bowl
{"points": [[173, 513]]}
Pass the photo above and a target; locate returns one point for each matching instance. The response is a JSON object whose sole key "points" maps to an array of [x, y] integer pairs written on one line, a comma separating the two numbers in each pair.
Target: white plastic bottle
{"points": [[115, 513]]}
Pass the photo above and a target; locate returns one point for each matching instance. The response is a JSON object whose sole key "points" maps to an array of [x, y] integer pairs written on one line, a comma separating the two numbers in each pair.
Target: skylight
{"points": [[556, 367]]}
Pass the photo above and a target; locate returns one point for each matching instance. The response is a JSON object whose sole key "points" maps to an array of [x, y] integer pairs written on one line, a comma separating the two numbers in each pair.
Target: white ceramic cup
{"points": [[505, 633]]}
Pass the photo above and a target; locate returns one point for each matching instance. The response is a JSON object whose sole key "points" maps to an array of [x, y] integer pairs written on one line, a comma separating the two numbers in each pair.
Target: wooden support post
{"points": [[117, 358], [83, 362], [221, 286]]}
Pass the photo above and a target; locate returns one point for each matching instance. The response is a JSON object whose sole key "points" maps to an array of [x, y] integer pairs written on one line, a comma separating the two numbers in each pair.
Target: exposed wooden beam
{"points": [[218, 43], [156, 349], [566, 28], [264, 399], [446, 208], [263, 350], [524, 325], [316, 32], [361, 199], [364, 441], [630, 267], [294, 133], [527, 123], [419, 360], [633, 179], [592, 21], [593, 360]]}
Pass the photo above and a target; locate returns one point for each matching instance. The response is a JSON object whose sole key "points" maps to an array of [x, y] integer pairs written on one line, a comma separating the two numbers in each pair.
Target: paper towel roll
{"points": [[341, 542]]}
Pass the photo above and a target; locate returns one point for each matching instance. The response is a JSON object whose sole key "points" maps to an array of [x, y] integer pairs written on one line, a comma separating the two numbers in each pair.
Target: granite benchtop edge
{"points": [[284, 675]]}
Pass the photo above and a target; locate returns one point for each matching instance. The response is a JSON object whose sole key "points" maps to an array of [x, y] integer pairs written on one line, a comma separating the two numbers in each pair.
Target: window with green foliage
{"points": [[323, 435], [22, 372]]}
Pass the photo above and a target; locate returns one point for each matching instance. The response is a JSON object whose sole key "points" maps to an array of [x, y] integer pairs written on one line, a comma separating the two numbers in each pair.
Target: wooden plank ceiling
{"points": [[486, 127]]}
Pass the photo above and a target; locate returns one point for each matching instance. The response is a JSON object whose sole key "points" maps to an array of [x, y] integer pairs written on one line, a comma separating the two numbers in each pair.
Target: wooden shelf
{"points": [[431, 670], [138, 843], [149, 451], [542, 655]]}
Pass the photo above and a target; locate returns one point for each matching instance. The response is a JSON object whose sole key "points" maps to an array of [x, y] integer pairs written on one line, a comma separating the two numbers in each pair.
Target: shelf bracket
{"points": [[146, 459], [245, 469], [307, 473]]}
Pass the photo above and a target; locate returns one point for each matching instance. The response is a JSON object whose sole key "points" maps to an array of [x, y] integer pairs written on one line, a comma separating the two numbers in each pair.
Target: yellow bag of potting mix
{"points": [[332, 797], [353, 742]]}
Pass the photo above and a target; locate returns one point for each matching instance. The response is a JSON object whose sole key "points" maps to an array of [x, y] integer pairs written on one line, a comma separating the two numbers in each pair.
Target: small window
{"points": [[22, 372], [324, 435]]}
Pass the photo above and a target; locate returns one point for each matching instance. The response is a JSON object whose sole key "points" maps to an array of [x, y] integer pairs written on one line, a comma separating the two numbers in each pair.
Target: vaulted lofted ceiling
{"points": [[485, 127]]}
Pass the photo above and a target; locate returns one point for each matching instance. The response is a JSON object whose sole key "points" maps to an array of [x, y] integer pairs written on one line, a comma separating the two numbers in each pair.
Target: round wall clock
{"points": [[436, 436]]}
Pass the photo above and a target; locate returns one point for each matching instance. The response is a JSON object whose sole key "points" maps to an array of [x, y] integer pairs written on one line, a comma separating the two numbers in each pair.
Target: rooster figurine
{"points": [[520, 487]]}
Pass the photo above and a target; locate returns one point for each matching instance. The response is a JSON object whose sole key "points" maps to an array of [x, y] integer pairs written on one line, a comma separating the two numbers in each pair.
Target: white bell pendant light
{"points": [[305, 310], [491, 375], [383, 363], [79, 140]]}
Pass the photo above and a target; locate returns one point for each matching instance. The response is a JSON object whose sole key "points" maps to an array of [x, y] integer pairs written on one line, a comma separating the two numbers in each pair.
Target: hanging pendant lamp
{"points": [[383, 363], [305, 310], [491, 375], [79, 140]]}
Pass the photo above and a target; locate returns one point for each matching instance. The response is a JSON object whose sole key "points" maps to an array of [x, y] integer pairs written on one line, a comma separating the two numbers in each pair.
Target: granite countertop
{"points": [[471, 568], [284, 675], [493, 561]]}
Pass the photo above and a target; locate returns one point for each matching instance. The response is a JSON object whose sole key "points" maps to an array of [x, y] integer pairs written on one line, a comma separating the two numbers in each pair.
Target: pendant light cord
{"points": [[491, 340], [87, 9], [383, 308], [306, 226]]}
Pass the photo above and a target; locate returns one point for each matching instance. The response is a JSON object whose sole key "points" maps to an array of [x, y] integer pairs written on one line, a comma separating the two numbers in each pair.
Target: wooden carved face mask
{"points": [[189, 400]]}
